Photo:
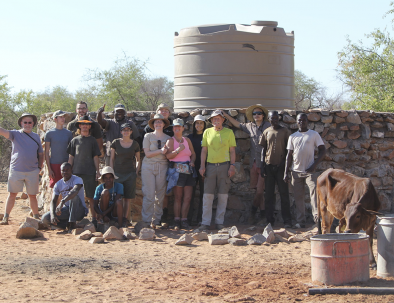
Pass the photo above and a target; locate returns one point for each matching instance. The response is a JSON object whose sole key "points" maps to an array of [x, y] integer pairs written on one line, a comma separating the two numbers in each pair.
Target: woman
{"points": [[154, 170], [180, 175], [123, 153], [199, 126]]}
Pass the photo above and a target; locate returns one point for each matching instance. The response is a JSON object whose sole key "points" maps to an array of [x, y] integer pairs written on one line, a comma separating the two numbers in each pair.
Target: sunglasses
{"points": [[159, 144], [28, 122], [257, 113]]}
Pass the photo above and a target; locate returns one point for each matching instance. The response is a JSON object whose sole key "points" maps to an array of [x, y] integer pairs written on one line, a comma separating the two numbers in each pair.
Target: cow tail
{"points": [[318, 213]]}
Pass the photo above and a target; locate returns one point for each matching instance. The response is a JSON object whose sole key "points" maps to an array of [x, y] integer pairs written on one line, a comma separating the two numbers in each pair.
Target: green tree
{"points": [[155, 91], [368, 70]]}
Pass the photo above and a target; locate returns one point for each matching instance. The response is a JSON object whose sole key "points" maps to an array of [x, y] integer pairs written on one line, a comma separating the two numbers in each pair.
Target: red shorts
{"points": [[58, 175]]}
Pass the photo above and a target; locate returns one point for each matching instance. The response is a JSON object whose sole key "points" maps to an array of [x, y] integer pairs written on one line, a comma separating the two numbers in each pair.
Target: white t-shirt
{"points": [[303, 146], [63, 188]]}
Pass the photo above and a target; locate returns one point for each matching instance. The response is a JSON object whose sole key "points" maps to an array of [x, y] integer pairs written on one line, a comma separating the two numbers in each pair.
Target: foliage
{"points": [[368, 70], [155, 91]]}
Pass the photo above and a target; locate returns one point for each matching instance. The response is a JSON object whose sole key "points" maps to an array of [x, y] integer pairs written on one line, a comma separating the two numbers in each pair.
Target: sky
{"points": [[45, 43]]}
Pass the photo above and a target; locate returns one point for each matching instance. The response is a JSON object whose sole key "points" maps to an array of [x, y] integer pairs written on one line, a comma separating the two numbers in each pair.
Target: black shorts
{"points": [[186, 180]]}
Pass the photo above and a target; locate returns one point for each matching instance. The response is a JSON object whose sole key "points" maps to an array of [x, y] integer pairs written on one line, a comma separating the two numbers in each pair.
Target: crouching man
{"points": [[107, 199], [72, 207]]}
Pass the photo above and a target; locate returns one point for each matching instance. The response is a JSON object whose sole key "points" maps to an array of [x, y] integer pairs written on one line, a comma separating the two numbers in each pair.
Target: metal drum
{"points": [[338, 259], [385, 264], [234, 65]]}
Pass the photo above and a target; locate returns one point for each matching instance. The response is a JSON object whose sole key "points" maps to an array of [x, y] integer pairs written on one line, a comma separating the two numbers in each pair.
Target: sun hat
{"points": [[249, 112], [217, 112], [119, 106], [178, 121], [199, 118], [164, 105], [58, 113], [27, 115], [125, 125], [84, 119], [107, 170], [158, 117]]}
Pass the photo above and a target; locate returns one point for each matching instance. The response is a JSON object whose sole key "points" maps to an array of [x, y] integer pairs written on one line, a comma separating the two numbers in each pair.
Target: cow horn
{"points": [[372, 212]]}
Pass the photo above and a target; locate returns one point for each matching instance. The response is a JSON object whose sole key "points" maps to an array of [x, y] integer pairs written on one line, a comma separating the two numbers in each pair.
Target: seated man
{"points": [[108, 198], [72, 207]]}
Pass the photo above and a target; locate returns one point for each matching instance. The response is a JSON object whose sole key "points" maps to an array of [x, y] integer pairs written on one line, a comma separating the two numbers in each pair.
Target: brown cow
{"points": [[349, 198]]}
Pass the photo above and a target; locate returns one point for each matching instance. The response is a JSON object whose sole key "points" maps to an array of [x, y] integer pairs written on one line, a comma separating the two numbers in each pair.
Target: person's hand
{"points": [[51, 173], [286, 178], [101, 109], [202, 171], [181, 147], [311, 169], [231, 171], [191, 164], [164, 150], [58, 209], [261, 171], [54, 220], [137, 172], [97, 175]]}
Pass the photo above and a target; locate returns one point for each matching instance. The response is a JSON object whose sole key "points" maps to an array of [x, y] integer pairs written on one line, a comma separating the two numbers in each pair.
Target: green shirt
{"points": [[218, 144]]}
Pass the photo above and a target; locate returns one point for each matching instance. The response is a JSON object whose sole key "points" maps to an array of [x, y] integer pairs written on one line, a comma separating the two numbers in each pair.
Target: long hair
{"points": [[78, 132], [195, 130]]}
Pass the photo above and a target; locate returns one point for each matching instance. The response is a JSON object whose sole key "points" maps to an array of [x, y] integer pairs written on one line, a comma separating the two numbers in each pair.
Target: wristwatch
{"points": [[232, 164]]}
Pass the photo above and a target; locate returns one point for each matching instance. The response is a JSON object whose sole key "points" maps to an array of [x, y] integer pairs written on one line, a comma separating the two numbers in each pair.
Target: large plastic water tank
{"points": [[234, 65]]}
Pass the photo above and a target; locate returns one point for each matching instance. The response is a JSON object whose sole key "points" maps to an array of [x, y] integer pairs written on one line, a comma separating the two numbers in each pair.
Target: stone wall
{"points": [[360, 142]]}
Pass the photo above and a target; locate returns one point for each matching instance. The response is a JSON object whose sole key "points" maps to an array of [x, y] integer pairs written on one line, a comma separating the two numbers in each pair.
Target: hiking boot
{"points": [[4, 221], [164, 216], [203, 227], [176, 225], [219, 226], [185, 225]]}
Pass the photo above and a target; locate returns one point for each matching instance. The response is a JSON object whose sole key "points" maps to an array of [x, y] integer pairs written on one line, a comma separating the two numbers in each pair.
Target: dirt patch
{"points": [[63, 268]]}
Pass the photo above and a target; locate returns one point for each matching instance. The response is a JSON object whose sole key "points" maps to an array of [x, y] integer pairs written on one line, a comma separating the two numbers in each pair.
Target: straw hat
{"points": [[249, 112], [158, 117], [27, 115], [164, 105], [84, 119], [107, 170]]}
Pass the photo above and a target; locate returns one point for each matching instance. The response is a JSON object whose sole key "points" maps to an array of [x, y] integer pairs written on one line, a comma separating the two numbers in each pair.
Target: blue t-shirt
{"points": [[59, 139], [24, 150], [63, 187], [116, 189]]}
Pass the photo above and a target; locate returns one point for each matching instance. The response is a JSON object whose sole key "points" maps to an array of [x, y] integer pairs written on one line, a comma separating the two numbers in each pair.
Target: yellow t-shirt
{"points": [[218, 144]]}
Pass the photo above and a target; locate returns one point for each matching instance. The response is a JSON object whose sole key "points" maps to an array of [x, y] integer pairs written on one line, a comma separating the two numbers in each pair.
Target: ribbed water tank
{"points": [[234, 65]]}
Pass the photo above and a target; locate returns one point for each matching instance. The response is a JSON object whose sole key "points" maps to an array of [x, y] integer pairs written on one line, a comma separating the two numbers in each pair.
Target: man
{"points": [[219, 143], [82, 110], [56, 142], [112, 127], [108, 202], [164, 110], [300, 158], [72, 207], [27, 157], [273, 157], [257, 114], [83, 156]]}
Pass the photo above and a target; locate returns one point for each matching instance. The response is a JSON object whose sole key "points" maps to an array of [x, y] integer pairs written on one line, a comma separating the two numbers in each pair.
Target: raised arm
{"points": [[232, 120], [5, 133], [100, 119]]}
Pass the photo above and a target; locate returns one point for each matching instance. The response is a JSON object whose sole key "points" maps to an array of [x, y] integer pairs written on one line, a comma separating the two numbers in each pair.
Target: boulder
{"points": [[147, 234], [326, 119], [218, 239], [354, 118], [90, 227], [200, 236], [257, 239], [86, 235], [314, 117], [296, 238], [340, 143], [269, 228], [195, 112], [127, 233], [24, 196], [185, 239], [26, 231], [281, 232], [33, 222], [95, 240], [77, 231], [234, 233], [113, 234], [97, 234], [236, 242], [288, 119], [377, 134], [269, 234]]}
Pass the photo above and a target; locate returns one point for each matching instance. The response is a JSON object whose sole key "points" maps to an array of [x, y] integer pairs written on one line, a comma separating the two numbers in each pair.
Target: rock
{"points": [[240, 175], [281, 239], [326, 119], [377, 134], [330, 136], [127, 233], [218, 239], [26, 231], [311, 125], [354, 118], [319, 128], [195, 112], [313, 117], [200, 236], [147, 234], [291, 112], [224, 230], [296, 238], [257, 239], [282, 232], [113, 234], [234, 233], [339, 143], [33, 222], [365, 131], [339, 119], [344, 127], [183, 114], [24, 196], [390, 127], [325, 112], [339, 158], [96, 240], [86, 235], [342, 114], [185, 239], [77, 231], [102, 227], [354, 127], [353, 134], [233, 112], [97, 234], [270, 236], [288, 119], [90, 227], [236, 242], [376, 125]]}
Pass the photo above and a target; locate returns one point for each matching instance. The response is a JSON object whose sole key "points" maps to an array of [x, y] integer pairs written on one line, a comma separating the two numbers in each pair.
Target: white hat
{"points": [[107, 170], [199, 118]]}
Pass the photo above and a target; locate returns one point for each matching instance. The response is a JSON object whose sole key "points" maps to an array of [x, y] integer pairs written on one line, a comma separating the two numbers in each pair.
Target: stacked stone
{"points": [[360, 142]]}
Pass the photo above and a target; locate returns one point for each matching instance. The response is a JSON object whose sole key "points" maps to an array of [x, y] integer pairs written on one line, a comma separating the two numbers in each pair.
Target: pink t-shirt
{"points": [[184, 155]]}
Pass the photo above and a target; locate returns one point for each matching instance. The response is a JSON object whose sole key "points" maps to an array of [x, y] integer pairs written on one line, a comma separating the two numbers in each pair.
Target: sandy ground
{"points": [[61, 268]]}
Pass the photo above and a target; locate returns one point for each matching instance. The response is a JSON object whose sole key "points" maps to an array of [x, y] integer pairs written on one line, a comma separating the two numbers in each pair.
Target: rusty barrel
{"points": [[338, 259], [385, 266]]}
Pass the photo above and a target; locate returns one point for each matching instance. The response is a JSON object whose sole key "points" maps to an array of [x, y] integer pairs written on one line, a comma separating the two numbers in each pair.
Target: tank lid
{"points": [[265, 23]]}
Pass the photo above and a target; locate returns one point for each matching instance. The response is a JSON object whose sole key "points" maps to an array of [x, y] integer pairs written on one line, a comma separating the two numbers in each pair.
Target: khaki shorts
{"points": [[16, 180]]}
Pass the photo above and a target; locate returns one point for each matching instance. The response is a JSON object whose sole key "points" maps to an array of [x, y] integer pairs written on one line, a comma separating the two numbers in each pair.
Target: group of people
{"points": [[172, 163]]}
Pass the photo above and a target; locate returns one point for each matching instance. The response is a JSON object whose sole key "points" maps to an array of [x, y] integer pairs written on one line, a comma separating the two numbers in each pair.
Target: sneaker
{"points": [[4, 221], [185, 225], [203, 227], [219, 226], [176, 225]]}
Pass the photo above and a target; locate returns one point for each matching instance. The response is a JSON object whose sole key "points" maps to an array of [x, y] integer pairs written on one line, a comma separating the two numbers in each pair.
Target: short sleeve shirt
{"points": [[83, 149], [274, 142], [24, 150], [63, 188], [218, 144], [59, 139], [96, 132], [124, 161], [168, 130], [151, 142], [115, 190], [303, 146]]}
